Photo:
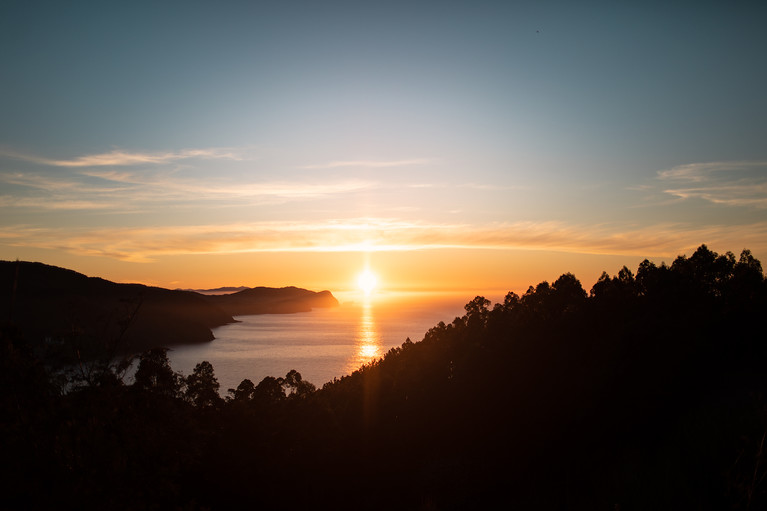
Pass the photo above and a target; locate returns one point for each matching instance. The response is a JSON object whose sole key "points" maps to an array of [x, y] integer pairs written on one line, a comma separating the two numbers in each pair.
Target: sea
{"points": [[322, 345]]}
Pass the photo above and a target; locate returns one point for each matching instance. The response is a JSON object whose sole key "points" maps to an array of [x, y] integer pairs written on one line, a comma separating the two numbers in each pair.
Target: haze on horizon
{"points": [[445, 145]]}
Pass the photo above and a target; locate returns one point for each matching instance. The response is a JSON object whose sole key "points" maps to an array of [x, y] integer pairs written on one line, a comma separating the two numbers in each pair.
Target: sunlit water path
{"points": [[322, 344]]}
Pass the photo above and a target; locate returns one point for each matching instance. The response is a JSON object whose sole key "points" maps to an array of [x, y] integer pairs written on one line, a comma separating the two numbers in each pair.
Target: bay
{"points": [[322, 344]]}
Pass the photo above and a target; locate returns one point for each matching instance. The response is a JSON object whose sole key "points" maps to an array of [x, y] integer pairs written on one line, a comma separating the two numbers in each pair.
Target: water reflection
{"points": [[367, 340]]}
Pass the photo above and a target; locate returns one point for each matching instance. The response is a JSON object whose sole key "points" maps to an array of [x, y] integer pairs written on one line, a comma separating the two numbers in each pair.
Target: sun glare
{"points": [[367, 281]]}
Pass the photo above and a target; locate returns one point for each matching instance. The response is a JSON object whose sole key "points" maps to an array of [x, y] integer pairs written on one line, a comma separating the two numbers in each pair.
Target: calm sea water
{"points": [[322, 344]]}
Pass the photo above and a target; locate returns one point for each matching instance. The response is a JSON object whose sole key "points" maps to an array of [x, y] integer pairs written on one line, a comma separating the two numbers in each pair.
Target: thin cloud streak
{"points": [[57, 184], [46, 203], [703, 171], [124, 158], [167, 188], [742, 183], [359, 235], [127, 190], [470, 186], [746, 195], [368, 163]]}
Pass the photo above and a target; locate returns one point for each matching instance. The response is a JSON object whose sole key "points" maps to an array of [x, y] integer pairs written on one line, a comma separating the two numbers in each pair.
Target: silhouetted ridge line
{"points": [[268, 300], [218, 290], [75, 315]]}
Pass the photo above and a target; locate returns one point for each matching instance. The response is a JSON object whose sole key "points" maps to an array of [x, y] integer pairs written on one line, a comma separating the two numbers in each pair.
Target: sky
{"points": [[468, 146]]}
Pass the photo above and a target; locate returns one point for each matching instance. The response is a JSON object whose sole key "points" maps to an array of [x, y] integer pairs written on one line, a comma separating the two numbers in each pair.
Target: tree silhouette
{"points": [[155, 374], [202, 386], [269, 390], [295, 385], [244, 392]]}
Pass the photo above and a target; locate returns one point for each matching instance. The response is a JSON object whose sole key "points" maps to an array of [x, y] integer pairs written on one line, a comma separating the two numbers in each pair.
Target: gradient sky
{"points": [[449, 145]]}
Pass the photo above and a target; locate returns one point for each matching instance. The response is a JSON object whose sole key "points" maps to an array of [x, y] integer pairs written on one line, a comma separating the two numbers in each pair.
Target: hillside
{"points": [[66, 312], [60, 307], [267, 300]]}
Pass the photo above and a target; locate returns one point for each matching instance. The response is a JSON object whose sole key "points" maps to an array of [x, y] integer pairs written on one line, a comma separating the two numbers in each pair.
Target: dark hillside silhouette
{"points": [[226, 290], [66, 312], [267, 300], [648, 392], [63, 308]]}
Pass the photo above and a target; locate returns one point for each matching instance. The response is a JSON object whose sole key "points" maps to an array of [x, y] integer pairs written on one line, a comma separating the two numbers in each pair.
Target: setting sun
{"points": [[367, 281]]}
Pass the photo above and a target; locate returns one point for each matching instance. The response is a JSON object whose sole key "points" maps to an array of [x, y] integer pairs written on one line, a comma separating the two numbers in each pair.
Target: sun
{"points": [[367, 281]]}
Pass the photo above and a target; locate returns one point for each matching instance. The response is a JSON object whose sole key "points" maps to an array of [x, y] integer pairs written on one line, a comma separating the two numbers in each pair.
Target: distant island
{"points": [[60, 308]]}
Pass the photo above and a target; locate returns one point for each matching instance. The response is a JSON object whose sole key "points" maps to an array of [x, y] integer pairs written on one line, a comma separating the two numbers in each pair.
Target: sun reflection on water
{"points": [[368, 339]]}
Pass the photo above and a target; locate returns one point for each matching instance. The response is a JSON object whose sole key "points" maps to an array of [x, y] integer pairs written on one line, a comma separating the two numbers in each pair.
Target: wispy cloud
{"points": [[728, 183], [57, 183], [169, 186], [376, 234], [490, 187], [45, 203], [127, 189], [124, 158], [369, 163]]}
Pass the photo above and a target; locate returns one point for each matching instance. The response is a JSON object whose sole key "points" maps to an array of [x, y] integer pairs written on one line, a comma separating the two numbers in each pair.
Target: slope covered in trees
{"points": [[648, 392]]}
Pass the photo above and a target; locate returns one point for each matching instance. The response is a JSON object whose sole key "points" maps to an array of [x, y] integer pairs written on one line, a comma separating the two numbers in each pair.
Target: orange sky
{"points": [[469, 271], [481, 149]]}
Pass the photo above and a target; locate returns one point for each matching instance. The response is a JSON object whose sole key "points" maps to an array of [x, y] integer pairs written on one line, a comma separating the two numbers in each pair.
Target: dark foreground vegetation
{"points": [[649, 392]]}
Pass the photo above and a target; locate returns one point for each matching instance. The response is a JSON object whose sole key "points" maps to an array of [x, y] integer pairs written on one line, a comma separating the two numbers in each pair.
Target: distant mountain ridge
{"points": [[60, 307], [269, 300], [218, 291]]}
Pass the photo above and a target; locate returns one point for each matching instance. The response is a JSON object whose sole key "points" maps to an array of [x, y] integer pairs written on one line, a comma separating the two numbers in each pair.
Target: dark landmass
{"points": [[648, 392], [70, 314], [268, 300], [60, 307], [219, 290]]}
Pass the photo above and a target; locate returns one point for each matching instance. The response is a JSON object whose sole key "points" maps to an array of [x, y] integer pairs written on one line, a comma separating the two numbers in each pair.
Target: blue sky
{"points": [[139, 137]]}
